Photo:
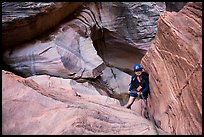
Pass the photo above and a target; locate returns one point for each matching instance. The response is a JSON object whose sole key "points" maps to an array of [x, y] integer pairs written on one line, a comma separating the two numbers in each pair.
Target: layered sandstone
{"points": [[64, 53], [116, 34], [68, 50], [129, 28], [175, 69], [44, 105], [23, 21]]}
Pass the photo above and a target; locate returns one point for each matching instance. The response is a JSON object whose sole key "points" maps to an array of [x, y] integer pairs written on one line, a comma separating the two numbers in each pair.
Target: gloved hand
{"points": [[139, 93]]}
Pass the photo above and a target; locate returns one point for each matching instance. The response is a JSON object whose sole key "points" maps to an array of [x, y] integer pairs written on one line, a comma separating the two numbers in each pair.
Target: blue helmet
{"points": [[136, 67]]}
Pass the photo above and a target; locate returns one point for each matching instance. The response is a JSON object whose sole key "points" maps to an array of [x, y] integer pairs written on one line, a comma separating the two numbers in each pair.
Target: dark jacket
{"points": [[144, 83]]}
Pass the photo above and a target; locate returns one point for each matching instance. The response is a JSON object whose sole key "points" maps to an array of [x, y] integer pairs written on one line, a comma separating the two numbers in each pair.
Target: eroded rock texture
{"points": [[129, 28], [120, 38], [64, 53], [175, 67], [117, 82], [44, 105], [99, 34], [22, 21]]}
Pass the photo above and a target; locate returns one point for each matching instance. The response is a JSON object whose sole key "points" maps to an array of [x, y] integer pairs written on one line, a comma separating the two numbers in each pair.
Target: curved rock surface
{"points": [[117, 83], [23, 21], [68, 51], [173, 62], [64, 53], [129, 27], [49, 108], [175, 68]]}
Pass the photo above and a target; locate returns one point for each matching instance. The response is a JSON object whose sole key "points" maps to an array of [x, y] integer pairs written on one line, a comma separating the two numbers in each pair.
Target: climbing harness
{"points": [[149, 114]]}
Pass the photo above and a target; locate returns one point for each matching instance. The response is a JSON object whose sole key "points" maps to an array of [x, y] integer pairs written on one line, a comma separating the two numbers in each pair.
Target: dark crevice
{"points": [[7, 67], [175, 6]]}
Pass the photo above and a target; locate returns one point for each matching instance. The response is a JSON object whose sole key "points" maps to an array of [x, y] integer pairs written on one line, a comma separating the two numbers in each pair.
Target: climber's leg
{"points": [[131, 100]]}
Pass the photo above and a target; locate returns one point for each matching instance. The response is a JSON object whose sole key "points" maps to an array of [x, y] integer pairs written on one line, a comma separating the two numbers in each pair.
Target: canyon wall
{"points": [[23, 21], [79, 47], [174, 63], [76, 59]]}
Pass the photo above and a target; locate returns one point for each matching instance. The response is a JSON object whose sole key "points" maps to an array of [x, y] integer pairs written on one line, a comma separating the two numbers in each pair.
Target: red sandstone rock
{"points": [[49, 108], [174, 65]]}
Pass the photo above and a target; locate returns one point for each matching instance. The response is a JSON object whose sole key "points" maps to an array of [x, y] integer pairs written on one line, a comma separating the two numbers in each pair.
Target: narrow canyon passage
{"points": [[67, 67]]}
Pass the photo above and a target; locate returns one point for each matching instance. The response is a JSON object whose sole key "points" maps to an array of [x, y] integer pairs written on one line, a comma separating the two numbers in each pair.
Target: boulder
{"points": [[175, 71], [51, 108], [117, 83]]}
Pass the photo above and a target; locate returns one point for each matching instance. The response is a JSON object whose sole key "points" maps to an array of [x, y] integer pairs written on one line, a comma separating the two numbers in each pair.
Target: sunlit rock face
{"points": [[175, 69]]}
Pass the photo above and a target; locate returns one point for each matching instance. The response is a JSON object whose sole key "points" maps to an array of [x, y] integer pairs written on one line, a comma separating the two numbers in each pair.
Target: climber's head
{"points": [[138, 69]]}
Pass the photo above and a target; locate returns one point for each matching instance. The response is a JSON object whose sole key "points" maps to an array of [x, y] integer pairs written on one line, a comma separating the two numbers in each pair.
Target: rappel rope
{"points": [[150, 116]]}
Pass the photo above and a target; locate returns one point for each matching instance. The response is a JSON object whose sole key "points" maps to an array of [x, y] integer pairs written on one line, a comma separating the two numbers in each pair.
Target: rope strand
{"points": [[150, 116]]}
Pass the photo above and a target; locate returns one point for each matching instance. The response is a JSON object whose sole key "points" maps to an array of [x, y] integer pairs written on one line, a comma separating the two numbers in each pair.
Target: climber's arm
{"points": [[146, 88]]}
